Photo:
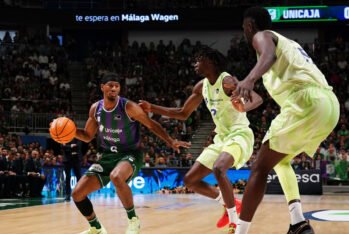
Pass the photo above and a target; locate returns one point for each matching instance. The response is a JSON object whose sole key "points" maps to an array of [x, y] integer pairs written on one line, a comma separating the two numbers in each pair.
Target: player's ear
{"points": [[102, 87]]}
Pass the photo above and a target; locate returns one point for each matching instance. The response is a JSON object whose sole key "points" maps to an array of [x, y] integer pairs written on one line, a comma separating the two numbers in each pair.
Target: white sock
{"points": [[233, 215], [220, 199], [242, 227], [296, 213]]}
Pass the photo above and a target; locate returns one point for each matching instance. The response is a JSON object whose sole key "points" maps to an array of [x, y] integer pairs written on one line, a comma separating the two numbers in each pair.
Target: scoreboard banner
{"points": [[308, 13], [211, 18]]}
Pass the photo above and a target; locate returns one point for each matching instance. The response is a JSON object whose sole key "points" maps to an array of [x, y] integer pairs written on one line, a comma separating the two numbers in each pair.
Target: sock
{"points": [[242, 227], [296, 213], [95, 223], [233, 216], [219, 198], [131, 212]]}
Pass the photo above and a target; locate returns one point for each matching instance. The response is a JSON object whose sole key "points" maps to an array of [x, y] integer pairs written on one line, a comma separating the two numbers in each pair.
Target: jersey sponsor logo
{"points": [[117, 117], [217, 91], [113, 139], [114, 149], [216, 100], [110, 130], [96, 167], [328, 215], [213, 111]]}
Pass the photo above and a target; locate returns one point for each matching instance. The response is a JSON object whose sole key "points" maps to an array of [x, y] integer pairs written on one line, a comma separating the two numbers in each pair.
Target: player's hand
{"points": [[244, 89], [146, 106], [236, 100], [176, 144]]}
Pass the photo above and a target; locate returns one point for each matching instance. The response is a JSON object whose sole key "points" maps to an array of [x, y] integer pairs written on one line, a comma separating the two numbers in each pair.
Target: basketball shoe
{"points": [[224, 220], [301, 228], [94, 230], [134, 226], [232, 228]]}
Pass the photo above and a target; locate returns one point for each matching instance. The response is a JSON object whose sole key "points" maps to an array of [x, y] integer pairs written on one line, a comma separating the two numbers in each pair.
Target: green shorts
{"points": [[306, 118], [239, 144], [108, 161]]}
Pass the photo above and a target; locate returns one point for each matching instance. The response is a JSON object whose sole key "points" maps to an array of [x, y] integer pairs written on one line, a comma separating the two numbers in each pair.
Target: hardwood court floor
{"points": [[187, 213]]}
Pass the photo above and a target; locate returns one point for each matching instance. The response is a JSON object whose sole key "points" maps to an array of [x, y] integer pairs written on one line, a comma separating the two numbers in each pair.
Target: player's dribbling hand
{"points": [[176, 144], [146, 106]]}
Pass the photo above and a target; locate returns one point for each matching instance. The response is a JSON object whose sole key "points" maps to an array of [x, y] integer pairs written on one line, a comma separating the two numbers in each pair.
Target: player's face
{"points": [[247, 26], [111, 90], [201, 65]]}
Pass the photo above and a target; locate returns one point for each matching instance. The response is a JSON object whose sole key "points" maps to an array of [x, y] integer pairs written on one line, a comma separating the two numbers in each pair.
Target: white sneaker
{"points": [[94, 230], [134, 226]]}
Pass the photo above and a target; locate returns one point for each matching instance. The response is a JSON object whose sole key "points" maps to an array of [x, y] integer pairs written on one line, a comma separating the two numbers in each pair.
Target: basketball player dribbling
{"points": [[115, 120]]}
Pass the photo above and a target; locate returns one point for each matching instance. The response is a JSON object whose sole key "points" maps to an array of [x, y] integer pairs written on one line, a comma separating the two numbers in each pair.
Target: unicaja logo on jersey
{"points": [[110, 130]]}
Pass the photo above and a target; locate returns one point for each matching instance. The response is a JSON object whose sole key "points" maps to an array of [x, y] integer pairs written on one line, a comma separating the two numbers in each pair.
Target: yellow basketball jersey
{"points": [[293, 70], [225, 117]]}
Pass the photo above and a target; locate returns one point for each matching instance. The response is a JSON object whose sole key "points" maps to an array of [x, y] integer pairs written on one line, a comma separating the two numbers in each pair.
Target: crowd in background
{"points": [[34, 76]]}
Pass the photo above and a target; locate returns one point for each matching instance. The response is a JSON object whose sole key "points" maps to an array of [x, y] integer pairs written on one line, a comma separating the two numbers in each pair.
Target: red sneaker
{"points": [[232, 228], [224, 220]]}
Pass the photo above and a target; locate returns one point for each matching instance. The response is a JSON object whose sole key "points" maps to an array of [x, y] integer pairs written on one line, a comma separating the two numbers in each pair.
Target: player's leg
{"points": [[256, 185], [224, 162], [288, 181], [193, 180], [119, 176], [86, 185]]}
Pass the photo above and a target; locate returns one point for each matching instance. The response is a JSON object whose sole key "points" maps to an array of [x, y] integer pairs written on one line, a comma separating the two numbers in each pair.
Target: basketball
{"points": [[62, 130]]}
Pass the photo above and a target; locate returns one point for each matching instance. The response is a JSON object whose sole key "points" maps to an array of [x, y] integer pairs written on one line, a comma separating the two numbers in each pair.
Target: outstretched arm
{"points": [[181, 113], [91, 126], [137, 113]]}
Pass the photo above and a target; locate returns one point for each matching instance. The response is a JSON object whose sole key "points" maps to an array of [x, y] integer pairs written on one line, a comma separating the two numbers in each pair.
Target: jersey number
{"points": [[305, 55]]}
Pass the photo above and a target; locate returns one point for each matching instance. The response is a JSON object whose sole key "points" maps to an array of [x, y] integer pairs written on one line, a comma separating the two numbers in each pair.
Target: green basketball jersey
{"points": [[292, 71], [225, 117]]}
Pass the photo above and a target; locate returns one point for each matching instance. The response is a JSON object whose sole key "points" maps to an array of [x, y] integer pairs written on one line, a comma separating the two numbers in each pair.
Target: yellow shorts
{"points": [[238, 144], [306, 118]]}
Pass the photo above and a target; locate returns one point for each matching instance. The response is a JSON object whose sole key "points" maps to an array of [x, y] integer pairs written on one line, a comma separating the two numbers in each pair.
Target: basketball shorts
{"points": [[239, 144], [108, 161], [306, 118]]}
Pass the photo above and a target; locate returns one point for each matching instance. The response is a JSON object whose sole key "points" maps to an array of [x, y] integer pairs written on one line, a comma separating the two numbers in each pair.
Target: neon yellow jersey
{"points": [[292, 71], [225, 117]]}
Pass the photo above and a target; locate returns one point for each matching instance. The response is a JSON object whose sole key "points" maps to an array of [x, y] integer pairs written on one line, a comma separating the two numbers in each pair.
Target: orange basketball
{"points": [[62, 130]]}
